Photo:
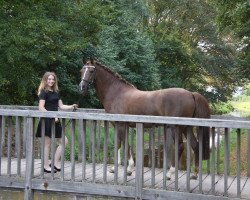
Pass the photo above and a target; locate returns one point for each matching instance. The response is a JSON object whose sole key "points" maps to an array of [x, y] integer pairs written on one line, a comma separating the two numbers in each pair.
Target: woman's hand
{"points": [[56, 120], [74, 106]]}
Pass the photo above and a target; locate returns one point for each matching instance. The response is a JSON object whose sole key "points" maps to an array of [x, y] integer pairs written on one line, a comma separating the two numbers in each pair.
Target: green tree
{"points": [[233, 21], [126, 48], [191, 53], [37, 37]]}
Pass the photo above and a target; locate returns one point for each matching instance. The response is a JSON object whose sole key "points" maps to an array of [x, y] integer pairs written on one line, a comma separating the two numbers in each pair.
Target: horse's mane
{"points": [[116, 75]]}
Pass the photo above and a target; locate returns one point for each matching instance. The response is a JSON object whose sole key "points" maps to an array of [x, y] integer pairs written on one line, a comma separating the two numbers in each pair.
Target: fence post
{"points": [[28, 195], [139, 161], [248, 153]]}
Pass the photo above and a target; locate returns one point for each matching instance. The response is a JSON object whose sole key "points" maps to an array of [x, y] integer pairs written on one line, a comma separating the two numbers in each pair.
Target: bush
{"points": [[221, 108]]}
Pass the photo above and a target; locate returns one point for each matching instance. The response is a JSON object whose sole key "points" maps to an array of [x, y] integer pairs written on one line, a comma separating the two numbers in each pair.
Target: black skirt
{"points": [[48, 125]]}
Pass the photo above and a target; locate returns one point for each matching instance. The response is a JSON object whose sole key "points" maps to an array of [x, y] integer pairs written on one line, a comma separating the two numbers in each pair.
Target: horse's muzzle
{"points": [[82, 88]]}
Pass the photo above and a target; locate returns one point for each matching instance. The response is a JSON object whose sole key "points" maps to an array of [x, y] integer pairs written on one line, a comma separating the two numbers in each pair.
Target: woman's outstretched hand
{"points": [[74, 106]]}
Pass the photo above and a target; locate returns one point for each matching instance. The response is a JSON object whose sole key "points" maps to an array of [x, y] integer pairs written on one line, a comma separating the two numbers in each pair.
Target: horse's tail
{"points": [[202, 110]]}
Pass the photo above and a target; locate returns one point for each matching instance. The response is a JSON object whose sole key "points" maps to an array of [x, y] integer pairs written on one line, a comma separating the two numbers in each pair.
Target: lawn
{"points": [[242, 105]]}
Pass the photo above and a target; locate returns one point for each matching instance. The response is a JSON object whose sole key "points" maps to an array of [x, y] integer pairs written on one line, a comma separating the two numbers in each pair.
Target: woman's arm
{"points": [[66, 107], [41, 105]]}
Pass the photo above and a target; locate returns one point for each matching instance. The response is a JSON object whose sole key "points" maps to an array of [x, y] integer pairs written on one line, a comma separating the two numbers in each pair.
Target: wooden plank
{"points": [[80, 140], [158, 178], [238, 163], [149, 194], [82, 137], [92, 110], [72, 149], [189, 132], [116, 153], [42, 141], [24, 135], [18, 144], [213, 162], [207, 184], [176, 156], [158, 145], [146, 174], [131, 118], [86, 188], [233, 188], [218, 131], [98, 140], [226, 161], [228, 183], [232, 191], [105, 150], [245, 193], [139, 161], [181, 182], [29, 158], [93, 135], [220, 185], [200, 157], [125, 155], [9, 144], [53, 147], [248, 155], [1, 132], [153, 157]]}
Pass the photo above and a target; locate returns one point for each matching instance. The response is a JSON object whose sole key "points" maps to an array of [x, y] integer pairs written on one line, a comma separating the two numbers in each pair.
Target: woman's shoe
{"points": [[57, 169], [48, 171]]}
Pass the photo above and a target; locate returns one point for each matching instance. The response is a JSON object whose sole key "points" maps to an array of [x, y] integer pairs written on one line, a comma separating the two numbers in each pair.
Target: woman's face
{"points": [[51, 80]]}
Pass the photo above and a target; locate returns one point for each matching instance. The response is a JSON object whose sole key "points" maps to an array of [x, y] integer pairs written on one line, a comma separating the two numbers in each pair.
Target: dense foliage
{"points": [[152, 44]]}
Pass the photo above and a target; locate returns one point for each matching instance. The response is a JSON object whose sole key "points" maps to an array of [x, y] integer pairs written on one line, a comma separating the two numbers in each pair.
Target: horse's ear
{"points": [[91, 60], [88, 60]]}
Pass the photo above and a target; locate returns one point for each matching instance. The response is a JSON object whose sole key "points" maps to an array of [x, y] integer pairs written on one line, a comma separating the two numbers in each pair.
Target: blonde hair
{"points": [[43, 85]]}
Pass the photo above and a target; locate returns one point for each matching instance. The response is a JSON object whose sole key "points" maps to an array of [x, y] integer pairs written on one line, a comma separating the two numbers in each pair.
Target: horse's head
{"points": [[87, 76]]}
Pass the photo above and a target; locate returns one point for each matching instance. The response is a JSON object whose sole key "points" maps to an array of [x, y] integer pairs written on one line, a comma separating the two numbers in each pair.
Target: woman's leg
{"points": [[46, 153], [59, 152]]}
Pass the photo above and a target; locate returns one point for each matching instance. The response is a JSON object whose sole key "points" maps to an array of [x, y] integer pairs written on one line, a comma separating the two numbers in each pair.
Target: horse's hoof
{"points": [[194, 177], [129, 173], [111, 171]]}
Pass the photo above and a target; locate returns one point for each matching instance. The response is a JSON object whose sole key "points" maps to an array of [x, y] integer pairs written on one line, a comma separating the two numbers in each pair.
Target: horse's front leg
{"points": [[119, 144], [112, 170], [171, 171]]}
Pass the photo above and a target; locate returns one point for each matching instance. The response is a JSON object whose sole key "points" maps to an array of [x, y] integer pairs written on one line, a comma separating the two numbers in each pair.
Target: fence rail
{"points": [[92, 152]]}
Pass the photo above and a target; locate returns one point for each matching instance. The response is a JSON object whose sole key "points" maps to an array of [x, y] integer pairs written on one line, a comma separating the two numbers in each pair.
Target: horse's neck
{"points": [[108, 87]]}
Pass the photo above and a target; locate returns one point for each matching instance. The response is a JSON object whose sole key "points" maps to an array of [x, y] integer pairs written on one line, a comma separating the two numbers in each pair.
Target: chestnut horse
{"points": [[120, 97]]}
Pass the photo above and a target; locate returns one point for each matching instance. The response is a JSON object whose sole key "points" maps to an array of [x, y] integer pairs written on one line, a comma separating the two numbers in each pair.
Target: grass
{"points": [[242, 105], [233, 154]]}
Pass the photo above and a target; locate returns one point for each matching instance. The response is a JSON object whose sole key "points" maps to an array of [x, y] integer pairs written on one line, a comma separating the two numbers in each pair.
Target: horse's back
{"points": [[177, 102]]}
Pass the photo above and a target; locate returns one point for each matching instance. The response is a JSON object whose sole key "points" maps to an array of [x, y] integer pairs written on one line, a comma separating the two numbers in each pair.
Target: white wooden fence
{"points": [[87, 168]]}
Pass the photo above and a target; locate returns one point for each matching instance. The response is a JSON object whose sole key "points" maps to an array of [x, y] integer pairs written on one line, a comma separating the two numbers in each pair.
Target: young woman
{"points": [[49, 100]]}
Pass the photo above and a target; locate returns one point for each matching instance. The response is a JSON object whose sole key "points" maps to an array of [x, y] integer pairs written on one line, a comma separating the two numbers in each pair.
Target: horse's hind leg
{"points": [[195, 146], [130, 162], [128, 158], [177, 130]]}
